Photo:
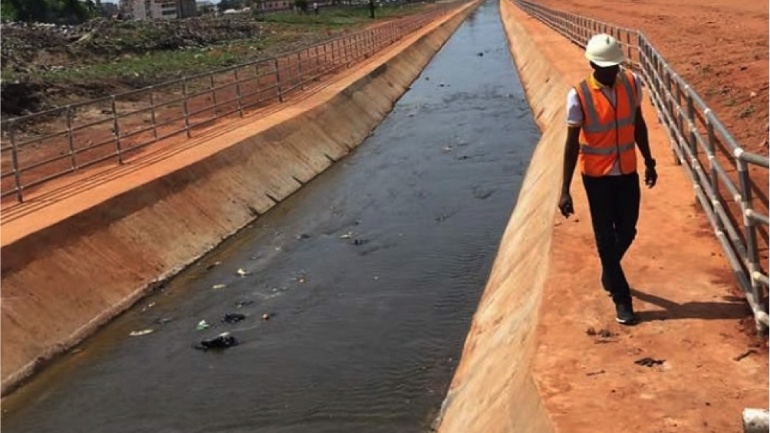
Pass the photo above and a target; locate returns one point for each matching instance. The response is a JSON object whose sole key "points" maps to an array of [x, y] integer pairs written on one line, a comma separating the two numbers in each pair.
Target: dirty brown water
{"points": [[371, 273]]}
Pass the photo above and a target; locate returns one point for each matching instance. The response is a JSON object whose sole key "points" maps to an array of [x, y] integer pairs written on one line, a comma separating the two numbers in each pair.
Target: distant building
{"points": [[109, 9], [205, 7], [157, 9], [275, 5], [187, 8]]}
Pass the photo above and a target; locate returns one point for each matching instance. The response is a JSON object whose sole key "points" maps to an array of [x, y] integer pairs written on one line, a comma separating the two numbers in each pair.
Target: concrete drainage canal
{"points": [[350, 300]]}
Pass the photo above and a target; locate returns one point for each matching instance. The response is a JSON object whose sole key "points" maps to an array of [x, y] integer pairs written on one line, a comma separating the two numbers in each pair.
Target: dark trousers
{"points": [[614, 204]]}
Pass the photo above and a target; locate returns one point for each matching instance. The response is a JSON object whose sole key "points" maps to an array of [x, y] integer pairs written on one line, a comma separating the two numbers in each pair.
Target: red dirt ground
{"points": [[718, 46]]}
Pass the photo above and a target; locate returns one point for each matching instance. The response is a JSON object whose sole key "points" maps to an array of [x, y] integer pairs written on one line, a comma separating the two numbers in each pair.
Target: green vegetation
{"points": [[56, 67], [49, 11], [142, 52], [143, 70]]}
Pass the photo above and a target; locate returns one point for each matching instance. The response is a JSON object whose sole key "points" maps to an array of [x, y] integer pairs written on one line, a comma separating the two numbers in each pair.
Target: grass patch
{"points": [[150, 67]]}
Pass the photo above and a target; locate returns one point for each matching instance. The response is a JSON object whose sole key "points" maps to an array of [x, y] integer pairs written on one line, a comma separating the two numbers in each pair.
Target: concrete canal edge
{"points": [[493, 389], [62, 282]]}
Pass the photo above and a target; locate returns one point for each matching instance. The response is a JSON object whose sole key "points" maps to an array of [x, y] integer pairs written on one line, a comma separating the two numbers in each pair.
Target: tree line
{"points": [[50, 11]]}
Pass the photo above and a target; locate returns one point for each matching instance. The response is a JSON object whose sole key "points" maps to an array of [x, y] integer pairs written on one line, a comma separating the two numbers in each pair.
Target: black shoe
{"points": [[625, 313]]}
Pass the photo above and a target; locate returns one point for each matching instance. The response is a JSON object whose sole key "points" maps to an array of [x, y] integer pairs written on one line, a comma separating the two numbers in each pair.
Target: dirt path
{"points": [[706, 371], [719, 46]]}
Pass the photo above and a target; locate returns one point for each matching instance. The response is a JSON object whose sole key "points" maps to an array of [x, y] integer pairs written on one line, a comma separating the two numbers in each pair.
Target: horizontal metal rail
{"points": [[699, 141]]}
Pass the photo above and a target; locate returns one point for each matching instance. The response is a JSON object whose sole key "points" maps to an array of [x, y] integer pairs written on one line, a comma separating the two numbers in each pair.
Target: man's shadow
{"points": [[732, 308]]}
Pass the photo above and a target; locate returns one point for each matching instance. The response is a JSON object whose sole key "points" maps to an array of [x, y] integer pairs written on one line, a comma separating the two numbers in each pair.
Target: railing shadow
{"points": [[730, 309]]}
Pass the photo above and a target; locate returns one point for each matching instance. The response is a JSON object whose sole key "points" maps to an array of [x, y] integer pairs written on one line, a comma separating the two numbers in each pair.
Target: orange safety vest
{"points": [[607, 133]]}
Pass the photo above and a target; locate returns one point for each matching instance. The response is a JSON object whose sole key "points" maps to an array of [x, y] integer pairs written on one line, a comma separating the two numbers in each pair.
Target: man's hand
{"points": [[565, 205], [650, 175]]}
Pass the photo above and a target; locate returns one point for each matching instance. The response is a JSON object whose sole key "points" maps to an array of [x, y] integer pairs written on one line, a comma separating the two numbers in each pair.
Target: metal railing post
{"points": [[153, 115], [711, 148], [347, 51], [15, 161], [258, 79], [691, 118], [748, 223], [278, 79], [238, 91], [214, 105], [299, 71], [628, 46], [186, 108], [317, 70], [325, 66], [116, 130], [71, 139]]}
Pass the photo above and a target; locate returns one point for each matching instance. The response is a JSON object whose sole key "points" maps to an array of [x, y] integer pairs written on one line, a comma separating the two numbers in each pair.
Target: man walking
{"points": [[604, 126]]}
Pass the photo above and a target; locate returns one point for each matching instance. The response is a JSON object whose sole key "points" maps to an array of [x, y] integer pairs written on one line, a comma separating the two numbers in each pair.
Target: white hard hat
{"points": [[604, 50]]}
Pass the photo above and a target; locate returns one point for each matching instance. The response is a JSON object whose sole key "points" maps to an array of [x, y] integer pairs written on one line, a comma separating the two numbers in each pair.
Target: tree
{"points": [[49, 11], [73, 11], [25, 10], [301, 5]]}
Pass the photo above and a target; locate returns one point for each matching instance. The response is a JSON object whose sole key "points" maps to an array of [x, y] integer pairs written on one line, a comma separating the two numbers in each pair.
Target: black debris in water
{"points": [[221, 341], [233, 317], [241, 304]]}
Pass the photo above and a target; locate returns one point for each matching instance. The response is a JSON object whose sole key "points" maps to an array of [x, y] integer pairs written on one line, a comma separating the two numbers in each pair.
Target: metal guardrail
{"points": [[78, 136], [700, 142]]}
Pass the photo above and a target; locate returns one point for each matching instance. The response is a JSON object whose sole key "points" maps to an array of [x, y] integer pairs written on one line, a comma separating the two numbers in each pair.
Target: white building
{"points": [[157, 9]]}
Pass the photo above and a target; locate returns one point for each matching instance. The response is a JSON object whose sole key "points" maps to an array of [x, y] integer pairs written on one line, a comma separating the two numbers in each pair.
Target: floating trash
{"points": [[221, 341], [218, 286], [233, 317], [240, 304], [202, 325], [140, 333]]}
